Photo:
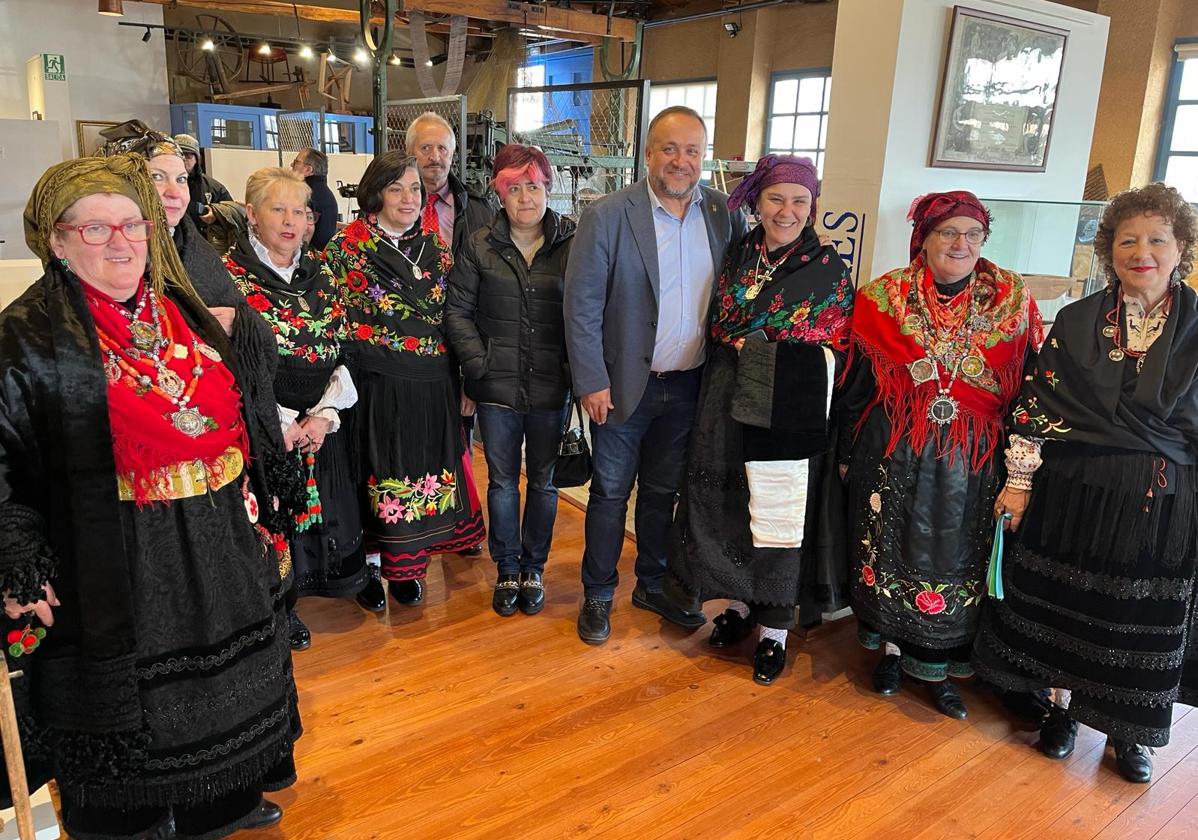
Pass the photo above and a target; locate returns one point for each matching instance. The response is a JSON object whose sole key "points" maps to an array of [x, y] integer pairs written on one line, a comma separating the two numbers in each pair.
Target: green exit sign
{"points": [[54, 68]]}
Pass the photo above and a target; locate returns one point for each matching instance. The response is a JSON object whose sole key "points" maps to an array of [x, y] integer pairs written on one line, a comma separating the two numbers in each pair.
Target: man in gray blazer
{"points": [[637, 300]]}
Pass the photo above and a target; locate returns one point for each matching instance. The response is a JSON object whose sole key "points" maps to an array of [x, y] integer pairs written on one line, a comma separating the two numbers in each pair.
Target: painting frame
{"points": [[998, 136], [87, 135]]}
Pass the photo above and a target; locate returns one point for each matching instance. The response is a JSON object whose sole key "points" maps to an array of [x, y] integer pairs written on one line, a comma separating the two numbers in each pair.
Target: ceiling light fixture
{"points": [[208, 46], [264, 49], [111, 8], [394, 59], [361, 56], [305, 51], [731, 27], [146, 38]]}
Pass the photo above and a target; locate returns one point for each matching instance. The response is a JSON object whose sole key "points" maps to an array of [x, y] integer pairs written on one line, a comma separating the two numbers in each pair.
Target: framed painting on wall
{"points": [[87, 135], [998, 94]]}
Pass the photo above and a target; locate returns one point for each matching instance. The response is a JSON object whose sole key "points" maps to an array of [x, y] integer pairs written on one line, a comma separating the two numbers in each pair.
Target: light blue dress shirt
{"points": [[687, 276]]}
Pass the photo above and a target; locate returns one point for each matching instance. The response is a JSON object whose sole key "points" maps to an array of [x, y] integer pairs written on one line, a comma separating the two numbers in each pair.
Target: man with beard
{"points": [[457, 213], [637, 298]]}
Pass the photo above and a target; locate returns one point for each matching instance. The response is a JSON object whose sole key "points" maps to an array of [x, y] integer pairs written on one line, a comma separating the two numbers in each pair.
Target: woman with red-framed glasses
{"points": [[140, 584]]}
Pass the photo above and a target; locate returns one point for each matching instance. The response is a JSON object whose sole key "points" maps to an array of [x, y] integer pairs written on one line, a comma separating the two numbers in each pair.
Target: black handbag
{"points": [[573, 467]]}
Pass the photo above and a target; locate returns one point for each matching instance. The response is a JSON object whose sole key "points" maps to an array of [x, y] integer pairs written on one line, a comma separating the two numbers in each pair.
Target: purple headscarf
{"points": [[775, 169]]}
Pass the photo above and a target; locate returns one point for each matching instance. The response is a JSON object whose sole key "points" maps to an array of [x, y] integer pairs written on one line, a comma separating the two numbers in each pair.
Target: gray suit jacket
{"points": [[613, 287]]}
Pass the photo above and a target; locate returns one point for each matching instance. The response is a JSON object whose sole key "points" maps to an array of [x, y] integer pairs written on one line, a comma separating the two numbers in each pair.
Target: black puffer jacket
{"points": [[504, 318]]}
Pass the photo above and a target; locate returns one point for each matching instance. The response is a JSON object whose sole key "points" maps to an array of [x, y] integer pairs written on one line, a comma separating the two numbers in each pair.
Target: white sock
{"points": [[774, 633], [1060, 696], [891, 649], [375, 559], [742, 609]]}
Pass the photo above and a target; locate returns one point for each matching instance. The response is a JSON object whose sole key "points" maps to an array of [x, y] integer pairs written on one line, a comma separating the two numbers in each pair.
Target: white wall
{"points": [[112, 75], [902, 65]]}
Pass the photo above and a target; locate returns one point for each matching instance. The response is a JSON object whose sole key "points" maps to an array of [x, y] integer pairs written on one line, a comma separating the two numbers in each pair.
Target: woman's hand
{"points": [[41, 608], [467, 406], [315, 429], [224, 316], [844, 472], [294, 435], [1013, 501]]}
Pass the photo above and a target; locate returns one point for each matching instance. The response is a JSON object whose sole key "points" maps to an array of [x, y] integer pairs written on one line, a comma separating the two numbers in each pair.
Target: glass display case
{"points": [[1051, 243]]}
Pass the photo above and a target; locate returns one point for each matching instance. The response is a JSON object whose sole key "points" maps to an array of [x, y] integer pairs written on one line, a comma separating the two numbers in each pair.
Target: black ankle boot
{"points": [[407, 592], [1058, 734], [372, 597]]}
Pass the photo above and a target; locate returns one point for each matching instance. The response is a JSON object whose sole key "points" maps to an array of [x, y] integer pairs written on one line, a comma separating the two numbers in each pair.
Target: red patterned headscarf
{"points": [[929, 210]]}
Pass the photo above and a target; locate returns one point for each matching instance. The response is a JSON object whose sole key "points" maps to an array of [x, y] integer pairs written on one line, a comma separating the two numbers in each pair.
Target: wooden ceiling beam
{"points": [[576, 25]]}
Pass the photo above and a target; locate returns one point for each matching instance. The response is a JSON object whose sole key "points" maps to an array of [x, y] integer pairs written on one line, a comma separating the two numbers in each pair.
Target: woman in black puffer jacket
{"points": [[504, 320]]}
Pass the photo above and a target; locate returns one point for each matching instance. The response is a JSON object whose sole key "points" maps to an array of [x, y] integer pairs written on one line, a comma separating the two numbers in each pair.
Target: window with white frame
{"points": [[1177, 160], [699, 96], [798, 115], [530, 107]]}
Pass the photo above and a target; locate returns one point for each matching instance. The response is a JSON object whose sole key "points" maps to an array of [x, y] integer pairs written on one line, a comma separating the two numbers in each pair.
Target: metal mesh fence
{"points": [[591, 133], [296, 130], [401, 113]]}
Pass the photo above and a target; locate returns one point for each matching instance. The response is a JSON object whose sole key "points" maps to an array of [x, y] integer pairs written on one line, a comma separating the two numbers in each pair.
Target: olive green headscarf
{"points": [[65, 183]]}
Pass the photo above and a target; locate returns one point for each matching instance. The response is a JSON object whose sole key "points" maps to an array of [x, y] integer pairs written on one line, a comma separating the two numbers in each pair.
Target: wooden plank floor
{"points": [[447, 721]]}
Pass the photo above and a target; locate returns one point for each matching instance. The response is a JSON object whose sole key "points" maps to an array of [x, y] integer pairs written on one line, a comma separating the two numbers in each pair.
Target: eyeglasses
{"points": [[949, 235], [98, 233]]}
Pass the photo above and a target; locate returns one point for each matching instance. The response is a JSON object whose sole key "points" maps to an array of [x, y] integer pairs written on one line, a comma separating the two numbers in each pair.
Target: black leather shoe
{"points": [[594, 621], [888, 676], [532, 593], [297, 632], [657, 602], [474, 551], [266, 814], [372, 597], [729, 628], [947, 700], [407, 592], [1058, 734], [768, 661], [1134, 761], [507, 591]]}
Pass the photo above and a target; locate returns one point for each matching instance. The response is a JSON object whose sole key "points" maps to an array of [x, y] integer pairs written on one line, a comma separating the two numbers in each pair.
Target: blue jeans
{"points": [[517, 547], [650, 449]]}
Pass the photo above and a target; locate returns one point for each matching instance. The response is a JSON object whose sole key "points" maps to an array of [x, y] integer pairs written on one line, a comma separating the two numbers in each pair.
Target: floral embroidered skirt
{"points": [[922, 528], [1118, 635], [419, 497]]}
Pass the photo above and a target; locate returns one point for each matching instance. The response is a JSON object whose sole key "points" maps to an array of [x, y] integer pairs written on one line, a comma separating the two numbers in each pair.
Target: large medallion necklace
{"points": [[417, 272], [143, 367], [1114, 331], [760, 277], [944, 408]]}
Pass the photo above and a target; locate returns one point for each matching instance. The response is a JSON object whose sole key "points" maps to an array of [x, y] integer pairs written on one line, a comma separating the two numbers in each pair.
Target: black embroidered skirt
{"points": [[214, 669], [711, 552], [418, 499], [922, 529], [329, 557], [1114, 633]]}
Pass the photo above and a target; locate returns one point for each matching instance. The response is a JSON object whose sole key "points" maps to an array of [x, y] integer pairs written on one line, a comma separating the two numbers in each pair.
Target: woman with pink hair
{"points": [[504, 320]]}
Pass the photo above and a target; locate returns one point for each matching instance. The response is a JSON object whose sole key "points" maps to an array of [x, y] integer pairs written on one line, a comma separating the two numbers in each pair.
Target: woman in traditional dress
{"points": [[780, 330], [938, 348], [505, 323], [161, 697], [1102, 490], [286, 286], [419, 491]]}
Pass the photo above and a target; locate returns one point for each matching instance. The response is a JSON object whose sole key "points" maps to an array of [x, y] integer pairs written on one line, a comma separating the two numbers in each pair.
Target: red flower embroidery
{"points": [[356, 280], [828, 317], [357, 232], [929, 603], [1021, 415], [235, 269], [258, 301], [350, 246], [411, 343], [364, 332], [867, 575], [726, 302], [298, 323]]}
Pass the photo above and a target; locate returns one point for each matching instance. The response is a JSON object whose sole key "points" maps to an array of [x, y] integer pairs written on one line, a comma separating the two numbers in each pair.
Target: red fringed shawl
{"points": [[888, 328]]}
